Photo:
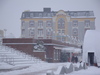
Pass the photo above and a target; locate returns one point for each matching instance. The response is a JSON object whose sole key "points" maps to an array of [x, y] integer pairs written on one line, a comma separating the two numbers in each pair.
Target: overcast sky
{"points": [[11, 10]]}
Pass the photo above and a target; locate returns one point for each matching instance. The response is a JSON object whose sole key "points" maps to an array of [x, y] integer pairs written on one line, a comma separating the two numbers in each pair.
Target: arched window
{"points": [[61, 23], [31, 23]]}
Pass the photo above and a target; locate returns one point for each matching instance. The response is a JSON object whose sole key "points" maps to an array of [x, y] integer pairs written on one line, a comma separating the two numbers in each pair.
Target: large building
{"points": [[66, 26]]}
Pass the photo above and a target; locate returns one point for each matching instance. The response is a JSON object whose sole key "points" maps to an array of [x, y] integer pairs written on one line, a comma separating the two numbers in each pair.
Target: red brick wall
{"points": [[40, 55], [18, 40]]}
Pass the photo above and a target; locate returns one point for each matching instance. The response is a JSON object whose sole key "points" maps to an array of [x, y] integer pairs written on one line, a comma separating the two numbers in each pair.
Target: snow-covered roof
{"points": [[91, 43]]}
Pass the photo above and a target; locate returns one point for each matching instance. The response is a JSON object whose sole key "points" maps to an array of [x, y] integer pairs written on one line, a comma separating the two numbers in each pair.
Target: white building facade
{"points": [[91, 47]]}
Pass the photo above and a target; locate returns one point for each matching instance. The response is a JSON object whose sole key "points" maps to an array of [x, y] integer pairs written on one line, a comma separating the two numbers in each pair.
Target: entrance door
{"points": [[91, 58]]}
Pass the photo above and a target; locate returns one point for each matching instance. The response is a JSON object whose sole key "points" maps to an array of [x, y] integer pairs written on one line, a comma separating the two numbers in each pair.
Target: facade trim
{"points": [[31, 43]]}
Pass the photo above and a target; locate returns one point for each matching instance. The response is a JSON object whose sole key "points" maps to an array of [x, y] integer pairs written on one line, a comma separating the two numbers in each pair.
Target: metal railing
{"points": [[10, 60], [6, 59]]}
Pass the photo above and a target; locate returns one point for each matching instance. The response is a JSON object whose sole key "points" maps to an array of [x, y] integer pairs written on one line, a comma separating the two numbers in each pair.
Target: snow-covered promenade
{"points": [[42, 68]]}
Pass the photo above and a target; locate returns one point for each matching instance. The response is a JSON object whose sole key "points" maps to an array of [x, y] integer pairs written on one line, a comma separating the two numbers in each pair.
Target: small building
{"points": [[51, 53], [91, 47]]}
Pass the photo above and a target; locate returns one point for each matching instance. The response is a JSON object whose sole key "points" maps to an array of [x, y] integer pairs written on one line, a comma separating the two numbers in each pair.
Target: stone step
{"points": [[27, 62], [16, 57]]}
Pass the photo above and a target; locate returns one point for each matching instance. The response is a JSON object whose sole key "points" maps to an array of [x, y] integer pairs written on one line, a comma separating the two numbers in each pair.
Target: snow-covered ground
{"points": [[92, 70], [42, 68], [33, 69]]}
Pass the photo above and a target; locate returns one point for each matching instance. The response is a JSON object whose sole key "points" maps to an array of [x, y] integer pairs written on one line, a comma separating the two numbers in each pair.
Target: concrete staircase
{"points": [[15, 57]]}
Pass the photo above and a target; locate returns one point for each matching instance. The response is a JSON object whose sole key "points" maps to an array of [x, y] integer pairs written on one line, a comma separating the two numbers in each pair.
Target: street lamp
{"points": [[5, 32]]}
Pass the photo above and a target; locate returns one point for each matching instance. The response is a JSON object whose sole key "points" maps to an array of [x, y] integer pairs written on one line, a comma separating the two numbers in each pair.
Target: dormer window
{"points": [[75, 14], [87, 13], [31, 15], [40, 14]]}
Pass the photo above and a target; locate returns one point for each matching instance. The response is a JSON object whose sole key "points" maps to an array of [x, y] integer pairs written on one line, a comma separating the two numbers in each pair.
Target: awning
{"points": [[58, 47], [72, 49]]}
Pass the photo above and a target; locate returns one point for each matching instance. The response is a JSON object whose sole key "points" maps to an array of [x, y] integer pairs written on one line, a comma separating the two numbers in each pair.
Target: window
{"points": [[23, 31], [23, 23], [49, 32], [75, 23], [63, 31], [59, 31], [31, 23], [75, 31], [87, 23], [27, 15], [87, 13], [49, 24], [56, 54], [63, 39], [40, 37], [40, 32], [31, 32], [40, 14], [40, 23], [31, 15], [61, 23], [75, 14], [49, 15]]}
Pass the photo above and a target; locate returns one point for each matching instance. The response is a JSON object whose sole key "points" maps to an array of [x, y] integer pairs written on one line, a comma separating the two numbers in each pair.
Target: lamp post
{"points": [[5, 32]]}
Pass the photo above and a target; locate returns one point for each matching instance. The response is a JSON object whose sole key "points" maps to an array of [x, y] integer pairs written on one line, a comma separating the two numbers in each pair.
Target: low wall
{"points": [[62, 70]]}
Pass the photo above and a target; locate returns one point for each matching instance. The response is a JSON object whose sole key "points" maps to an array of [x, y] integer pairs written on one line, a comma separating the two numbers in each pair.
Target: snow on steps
{"points": [[15, 57]]}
